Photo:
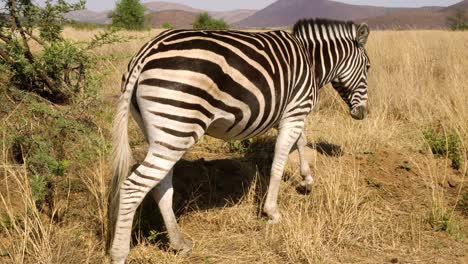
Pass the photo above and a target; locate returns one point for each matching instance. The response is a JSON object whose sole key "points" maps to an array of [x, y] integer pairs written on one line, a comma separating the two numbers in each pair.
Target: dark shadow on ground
{"points": [[203, 185], [208, 184], [327, 149]]}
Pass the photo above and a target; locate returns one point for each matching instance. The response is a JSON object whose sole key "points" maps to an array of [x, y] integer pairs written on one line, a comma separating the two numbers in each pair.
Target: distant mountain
{"points": [[233, 16], [408, 19], [287, 12], [89, 16], [164, 6], [155, 8], [176, 18], [230, 17], [418, 18], [283, 13], [461, 5]]}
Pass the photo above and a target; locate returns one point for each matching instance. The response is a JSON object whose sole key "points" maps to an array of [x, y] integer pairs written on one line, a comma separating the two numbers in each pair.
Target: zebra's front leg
{"points": [[307, 179], [163, 194], [287, 136]]}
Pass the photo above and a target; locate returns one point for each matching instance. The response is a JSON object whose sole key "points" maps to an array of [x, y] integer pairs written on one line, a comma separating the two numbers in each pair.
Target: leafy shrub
{"points": [[85, 25], [458, 20], [167, 25], [448, 145], [205, 21], [129, 14], [58, 69], [38, 188], [240, 146]]}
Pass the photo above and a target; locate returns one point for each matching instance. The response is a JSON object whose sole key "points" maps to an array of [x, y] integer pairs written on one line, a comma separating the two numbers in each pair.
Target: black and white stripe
{"points": [[230, 85]]}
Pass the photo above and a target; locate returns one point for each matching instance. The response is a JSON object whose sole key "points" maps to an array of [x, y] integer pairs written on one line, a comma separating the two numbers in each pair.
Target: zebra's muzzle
{"points": [[359, 112]]}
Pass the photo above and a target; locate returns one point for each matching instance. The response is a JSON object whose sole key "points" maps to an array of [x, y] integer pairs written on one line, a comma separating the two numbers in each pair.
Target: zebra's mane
{"points": [[319, 21]]}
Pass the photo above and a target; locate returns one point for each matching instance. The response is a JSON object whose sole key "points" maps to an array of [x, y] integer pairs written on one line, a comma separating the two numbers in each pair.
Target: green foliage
{"points": [[85, 25], [443, 144], [446, 221], [59, 68], [167, 25], [205, 21], [463, 202], [458, 20], [406, 166], [6, 221], [38, 188], [153, 236], [129, 14], [240, 146], [70, 140]]}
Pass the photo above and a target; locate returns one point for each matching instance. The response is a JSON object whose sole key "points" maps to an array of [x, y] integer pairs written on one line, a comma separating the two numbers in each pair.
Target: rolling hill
{"points": [[182, 13], [231, 16], [176, 18], [286, 12], [283, 13], [89, 16], [420, 18]]}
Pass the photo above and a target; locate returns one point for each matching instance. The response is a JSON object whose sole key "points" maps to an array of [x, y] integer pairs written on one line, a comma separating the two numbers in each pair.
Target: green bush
{"points": [[129, 14], [205, 21], [85, 25], [39, 190], [458, 20], [167, 25], [443, 144], [240, 146], [58, 69]]}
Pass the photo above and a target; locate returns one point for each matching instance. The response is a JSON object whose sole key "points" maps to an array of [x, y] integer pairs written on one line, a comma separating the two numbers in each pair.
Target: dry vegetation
{"points": [[380, 194]]}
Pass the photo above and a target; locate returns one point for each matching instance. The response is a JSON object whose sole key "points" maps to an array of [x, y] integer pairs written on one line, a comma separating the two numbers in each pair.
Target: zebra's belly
{"points": [[226, 129], [220, 129]]}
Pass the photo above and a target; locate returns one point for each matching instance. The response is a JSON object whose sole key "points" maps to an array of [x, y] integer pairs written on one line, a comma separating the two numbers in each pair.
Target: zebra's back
{"points": [[236, 84]]}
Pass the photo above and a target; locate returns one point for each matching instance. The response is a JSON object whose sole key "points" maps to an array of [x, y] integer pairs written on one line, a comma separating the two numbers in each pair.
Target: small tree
{"points": [[167, 25], [56, 68], [205, 21], [458, 21], [129, 14]]}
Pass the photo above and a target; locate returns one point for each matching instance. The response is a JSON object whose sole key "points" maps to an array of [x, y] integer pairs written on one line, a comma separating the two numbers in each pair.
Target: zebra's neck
{"points": [[329, 44]]}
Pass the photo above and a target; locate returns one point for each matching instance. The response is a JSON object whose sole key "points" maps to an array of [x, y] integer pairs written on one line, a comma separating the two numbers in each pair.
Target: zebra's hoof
{"points": [[274, 221], [274, 218], [307, 185], [185, 248]]}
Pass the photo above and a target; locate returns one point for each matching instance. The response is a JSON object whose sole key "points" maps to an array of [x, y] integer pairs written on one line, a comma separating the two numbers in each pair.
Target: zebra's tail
{"points": [[122, 160]]}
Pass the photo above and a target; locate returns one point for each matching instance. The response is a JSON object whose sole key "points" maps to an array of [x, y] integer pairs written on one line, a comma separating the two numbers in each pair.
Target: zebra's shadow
{"points": [[205, 185], [210, 184]]}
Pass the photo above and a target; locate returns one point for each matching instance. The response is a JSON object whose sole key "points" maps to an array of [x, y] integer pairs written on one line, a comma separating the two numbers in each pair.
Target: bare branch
{"points": [[7, 58], [38, 40]]}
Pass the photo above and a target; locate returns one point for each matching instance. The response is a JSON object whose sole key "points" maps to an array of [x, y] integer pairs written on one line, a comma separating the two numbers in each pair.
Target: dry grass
{"points": [[365, 207]]}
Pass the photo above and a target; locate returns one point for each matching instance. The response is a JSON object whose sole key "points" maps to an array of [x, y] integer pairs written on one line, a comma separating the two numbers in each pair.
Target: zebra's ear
{"points": [[362, 34]]}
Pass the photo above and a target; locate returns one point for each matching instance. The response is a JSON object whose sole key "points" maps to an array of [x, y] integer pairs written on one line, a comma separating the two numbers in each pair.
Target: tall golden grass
{"points": [[364, 208]]}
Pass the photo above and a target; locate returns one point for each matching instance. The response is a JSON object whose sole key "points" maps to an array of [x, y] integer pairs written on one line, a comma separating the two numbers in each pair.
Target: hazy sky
{"points": [[99, 5]]}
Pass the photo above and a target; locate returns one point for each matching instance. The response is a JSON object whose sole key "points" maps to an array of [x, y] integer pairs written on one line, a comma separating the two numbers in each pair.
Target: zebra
{"points": [[230, 85]]}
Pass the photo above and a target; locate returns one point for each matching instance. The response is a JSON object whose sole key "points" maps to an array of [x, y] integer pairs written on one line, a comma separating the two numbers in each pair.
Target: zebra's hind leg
{"points": [[163, 194], [287, 136], [307, 179], [152, 172]]}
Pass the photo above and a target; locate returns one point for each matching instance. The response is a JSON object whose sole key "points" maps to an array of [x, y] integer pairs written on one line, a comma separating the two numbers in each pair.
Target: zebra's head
{"points": [[337, 50], [351, 79]]}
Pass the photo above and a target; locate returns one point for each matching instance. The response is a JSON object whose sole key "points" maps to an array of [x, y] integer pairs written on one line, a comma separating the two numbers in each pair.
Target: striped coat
{"points": [[230, 85]]}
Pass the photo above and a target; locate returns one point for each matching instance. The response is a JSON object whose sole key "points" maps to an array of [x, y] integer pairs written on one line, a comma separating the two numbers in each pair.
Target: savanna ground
{"points": [[386, 189]]}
